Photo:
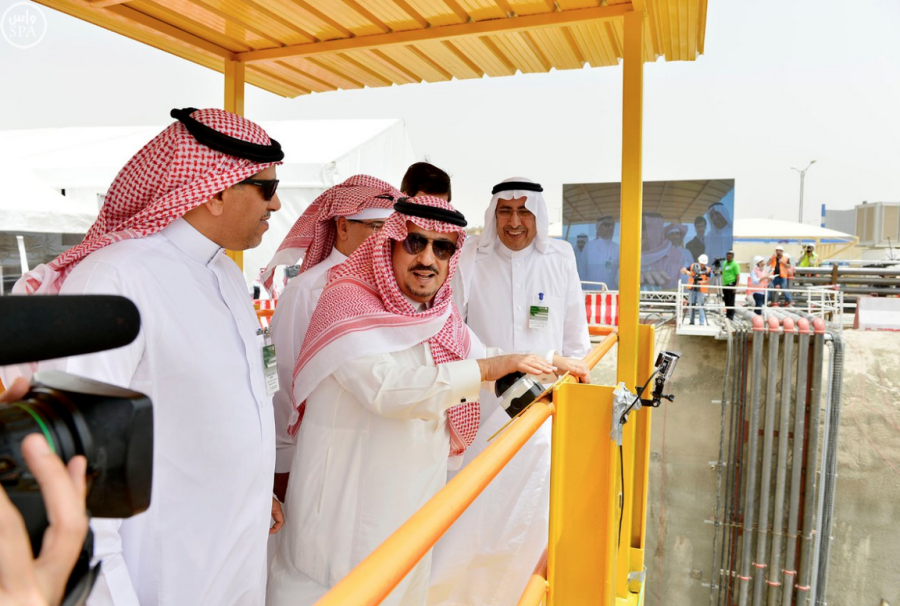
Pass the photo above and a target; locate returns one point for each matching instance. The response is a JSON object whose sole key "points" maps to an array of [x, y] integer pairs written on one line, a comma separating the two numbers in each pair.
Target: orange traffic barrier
{"points": [[377, 575], [536, 588]]}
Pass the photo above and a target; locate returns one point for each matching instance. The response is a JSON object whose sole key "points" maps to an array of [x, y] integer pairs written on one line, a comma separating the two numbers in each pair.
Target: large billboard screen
{"points": [[681, 221]]}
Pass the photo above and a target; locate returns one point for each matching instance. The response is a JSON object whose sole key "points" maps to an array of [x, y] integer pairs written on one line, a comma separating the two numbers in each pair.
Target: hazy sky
{"points": [[781, 83]]}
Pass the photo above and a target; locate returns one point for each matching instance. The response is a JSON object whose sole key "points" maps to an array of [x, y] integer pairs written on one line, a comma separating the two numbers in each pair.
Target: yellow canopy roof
{"points": [[294, 47]]}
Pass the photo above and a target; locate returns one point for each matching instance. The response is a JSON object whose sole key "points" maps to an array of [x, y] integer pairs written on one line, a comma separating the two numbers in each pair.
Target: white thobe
{"points": [[372, 449], [488, 555], [602, 262], [289, 323], [199, 359]]}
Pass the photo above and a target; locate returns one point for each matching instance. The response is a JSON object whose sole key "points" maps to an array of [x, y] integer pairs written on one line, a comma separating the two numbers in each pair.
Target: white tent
{"points": [[28, 205], [774, 230], [318, 154]]}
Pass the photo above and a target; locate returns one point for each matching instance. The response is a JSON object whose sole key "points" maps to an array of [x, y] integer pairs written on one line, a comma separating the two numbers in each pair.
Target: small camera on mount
{"points": [[665, 368]]}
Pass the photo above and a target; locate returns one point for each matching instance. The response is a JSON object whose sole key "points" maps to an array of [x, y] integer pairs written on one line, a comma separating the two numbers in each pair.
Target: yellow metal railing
{"points": [[536, 589], [377, 575]]}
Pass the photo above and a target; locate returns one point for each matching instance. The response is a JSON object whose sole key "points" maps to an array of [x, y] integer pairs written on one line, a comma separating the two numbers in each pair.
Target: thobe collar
{"points": [[190, 241], [336, 257], [418, 306], [515, 254]]}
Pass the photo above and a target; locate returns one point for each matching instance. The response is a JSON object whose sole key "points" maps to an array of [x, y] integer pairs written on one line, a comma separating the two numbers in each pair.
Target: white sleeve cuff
{"points": [[465, 377]]}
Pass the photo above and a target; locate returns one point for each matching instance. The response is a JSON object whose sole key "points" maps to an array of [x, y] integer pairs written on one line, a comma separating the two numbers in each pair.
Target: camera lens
{"points": [[112, 427]]}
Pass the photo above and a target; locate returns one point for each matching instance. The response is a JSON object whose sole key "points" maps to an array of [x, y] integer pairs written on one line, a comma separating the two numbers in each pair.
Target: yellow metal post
{"points": [[630, 247], [234, 87], [630, 261], [234, 103], [581, 559], [640, 479]]}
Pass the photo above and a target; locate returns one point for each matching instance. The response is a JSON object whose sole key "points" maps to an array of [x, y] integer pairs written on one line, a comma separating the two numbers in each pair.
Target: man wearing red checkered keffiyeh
{"points": [[328, 232], [206, 183], [386, 385], [342, 215]]}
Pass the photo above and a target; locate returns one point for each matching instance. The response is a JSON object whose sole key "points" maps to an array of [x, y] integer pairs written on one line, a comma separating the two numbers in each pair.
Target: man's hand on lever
{"points": [[573, 366]]}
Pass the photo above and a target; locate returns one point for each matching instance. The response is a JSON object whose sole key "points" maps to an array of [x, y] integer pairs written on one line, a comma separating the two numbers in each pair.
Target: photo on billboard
{"points": [[681, 221]]}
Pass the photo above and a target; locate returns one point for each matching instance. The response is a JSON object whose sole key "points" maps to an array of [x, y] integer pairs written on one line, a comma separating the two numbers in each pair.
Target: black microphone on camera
{"points": [[39, 327]]}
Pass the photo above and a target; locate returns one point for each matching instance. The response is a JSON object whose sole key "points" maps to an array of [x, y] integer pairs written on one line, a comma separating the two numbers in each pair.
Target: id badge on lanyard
{"points": [[270, 364], [539, 313]]}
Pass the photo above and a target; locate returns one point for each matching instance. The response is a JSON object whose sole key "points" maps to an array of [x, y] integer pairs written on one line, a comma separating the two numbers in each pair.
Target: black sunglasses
{"points": [[415, 244], [268, 186]]}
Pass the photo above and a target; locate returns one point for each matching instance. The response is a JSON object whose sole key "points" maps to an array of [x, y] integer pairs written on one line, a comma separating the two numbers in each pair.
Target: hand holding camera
{"points": [[103, 431], [24, 580]]}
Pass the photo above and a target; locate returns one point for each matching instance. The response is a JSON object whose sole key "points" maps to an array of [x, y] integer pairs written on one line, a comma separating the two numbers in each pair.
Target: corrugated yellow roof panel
{"points": [[294, 47], [253, 17], [208, 26], [398, 15], [556, 46], [530, 7], [567, 5], [438, 12], [486, 56], [349, 15], [417, 63], [449, 58], [482, 10], [522, 52]]}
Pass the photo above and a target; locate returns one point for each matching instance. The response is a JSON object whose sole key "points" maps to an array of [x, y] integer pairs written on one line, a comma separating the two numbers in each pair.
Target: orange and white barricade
{"points": [[264, 310], [602, 308]]}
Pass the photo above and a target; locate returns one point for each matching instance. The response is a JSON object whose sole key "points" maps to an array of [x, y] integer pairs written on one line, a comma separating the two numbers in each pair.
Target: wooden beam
{"points": [[106, 3], [573, 46], [234, 21], [356, 6], [138, 19], [459, 10], [309, 8], [409, 10], [444, 32]]}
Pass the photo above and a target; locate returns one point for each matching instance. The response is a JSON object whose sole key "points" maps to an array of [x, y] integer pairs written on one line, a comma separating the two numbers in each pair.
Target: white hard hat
{"points": [[810, 246], [779, 247], [703, 259], [757, 260]]}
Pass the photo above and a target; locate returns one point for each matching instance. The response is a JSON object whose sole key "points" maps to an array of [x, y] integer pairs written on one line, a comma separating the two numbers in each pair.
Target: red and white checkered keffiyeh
{"points": [[314, 233], [171, 175], [363, 312]]}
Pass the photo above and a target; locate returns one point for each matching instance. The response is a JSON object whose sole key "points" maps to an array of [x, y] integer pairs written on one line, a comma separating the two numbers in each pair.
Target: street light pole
{"points": [[802, 178]]}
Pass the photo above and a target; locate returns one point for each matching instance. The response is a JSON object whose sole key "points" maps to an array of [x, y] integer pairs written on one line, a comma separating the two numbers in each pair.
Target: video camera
{"points": [[717, 262], [111, 426]]}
